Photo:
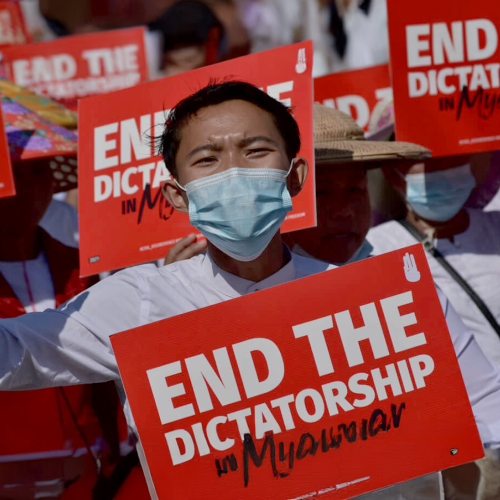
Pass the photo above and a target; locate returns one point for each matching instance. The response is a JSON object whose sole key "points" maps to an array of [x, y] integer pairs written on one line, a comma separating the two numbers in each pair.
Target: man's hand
{"points": [[185, 249]]}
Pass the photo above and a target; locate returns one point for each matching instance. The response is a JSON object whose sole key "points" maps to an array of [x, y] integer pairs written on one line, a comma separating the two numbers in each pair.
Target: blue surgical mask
{"points": [[240, 210], [439, 196]]}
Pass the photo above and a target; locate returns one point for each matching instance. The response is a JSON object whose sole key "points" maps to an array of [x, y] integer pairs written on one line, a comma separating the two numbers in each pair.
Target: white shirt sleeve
{"points": [[71, 345], [481, 378], [60, 220]]}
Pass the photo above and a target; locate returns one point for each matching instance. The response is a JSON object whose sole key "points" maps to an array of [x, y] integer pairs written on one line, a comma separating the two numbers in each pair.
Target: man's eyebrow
{"points": [[204, 147], [250, 140]]}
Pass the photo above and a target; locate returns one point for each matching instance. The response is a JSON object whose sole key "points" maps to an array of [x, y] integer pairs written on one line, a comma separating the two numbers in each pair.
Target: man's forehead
{"points": [[230, 110], [234, 118]]}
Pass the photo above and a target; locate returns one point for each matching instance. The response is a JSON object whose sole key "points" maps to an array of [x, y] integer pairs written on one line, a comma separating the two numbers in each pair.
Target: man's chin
{"points": [[341, 247]]}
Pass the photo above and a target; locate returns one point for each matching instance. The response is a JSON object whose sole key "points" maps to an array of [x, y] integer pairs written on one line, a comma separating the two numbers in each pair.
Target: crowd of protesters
{"points": [[57, 369]]}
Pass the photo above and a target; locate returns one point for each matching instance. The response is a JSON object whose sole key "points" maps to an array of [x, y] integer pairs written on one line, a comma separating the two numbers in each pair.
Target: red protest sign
{"points": [[7, 187], [121, 204], [12, 27], [354, 92], [73, 67], [445, 64], [350, 391]]}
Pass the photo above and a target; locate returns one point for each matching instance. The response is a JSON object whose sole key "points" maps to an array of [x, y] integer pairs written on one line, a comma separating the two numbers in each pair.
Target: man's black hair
{"points": [[217, 93]]}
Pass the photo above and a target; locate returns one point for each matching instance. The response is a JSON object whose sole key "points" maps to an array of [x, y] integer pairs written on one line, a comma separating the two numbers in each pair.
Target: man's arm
{"points": [[71, 344]]}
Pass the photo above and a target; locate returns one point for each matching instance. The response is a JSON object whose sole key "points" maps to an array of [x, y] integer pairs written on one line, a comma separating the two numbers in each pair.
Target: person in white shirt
{"points": [[469, 239], [60, 220], [344, 216]]}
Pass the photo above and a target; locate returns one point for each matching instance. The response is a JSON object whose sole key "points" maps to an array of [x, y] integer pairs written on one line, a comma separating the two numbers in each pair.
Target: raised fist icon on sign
{"points": [[411, 272]]}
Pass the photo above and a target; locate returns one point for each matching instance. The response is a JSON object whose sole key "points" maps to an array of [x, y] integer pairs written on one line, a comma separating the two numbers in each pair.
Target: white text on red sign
{"points": [[404, 376], [430, 45], [119, 143]]}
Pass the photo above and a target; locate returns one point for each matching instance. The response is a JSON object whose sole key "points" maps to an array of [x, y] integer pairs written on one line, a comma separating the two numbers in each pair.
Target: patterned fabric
{"points": [[32, 137], [43, 106]]}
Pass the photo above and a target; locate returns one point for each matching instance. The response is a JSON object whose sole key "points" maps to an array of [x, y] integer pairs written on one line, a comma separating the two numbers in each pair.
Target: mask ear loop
{"points": [[179, 186], [403, 194]]}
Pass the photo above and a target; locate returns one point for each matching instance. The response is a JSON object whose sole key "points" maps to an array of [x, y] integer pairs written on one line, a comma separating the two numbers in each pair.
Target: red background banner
{"points": [[445, 64], [7, 187], [73, 67], [12, 27], [354, 92], [354, 366]]}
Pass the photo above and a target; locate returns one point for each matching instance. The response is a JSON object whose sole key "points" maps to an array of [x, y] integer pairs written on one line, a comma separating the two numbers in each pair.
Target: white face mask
{"points": [[439, 196], [240, 210]]}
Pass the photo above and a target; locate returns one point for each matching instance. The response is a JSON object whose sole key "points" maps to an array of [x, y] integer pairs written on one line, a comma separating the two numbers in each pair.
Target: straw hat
{"points": [[381, 126], [339, 139], [33, 138]]}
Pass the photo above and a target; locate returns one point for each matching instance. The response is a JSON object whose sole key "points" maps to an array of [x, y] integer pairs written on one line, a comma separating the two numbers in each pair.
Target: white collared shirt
{"points": [[60, 220], [475, 254]]}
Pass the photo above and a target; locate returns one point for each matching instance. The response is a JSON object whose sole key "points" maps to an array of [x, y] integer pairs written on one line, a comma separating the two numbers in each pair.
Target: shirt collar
{"points": [[365, 250], [234, 286]]}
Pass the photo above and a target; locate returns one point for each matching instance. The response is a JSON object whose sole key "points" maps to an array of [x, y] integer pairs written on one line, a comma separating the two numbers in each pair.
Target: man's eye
{"points": [[208, 159], [258, 150]]}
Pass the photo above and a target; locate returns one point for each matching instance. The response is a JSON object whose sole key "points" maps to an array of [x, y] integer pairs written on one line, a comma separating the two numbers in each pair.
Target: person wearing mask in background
{"points": [[463, 244], [487, 196], [463, 249], [38, 271], [343, 236], [192, 37], [344, 214]]}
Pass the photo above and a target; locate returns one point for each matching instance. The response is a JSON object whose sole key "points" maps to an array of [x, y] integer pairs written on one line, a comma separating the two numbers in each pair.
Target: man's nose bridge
{"points": [[231, 158], [341, 206]]}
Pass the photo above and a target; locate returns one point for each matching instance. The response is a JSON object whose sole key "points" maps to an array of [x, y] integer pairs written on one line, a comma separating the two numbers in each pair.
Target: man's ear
{"points": [[298, 175], [175, 196]]}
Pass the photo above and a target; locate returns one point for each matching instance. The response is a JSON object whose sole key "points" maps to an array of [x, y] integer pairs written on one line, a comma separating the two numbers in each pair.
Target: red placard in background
{"points": [[124, 219], [73, 67], [355, 366], [7, 187], [445, 64], [12, 27], [354, 92]]}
